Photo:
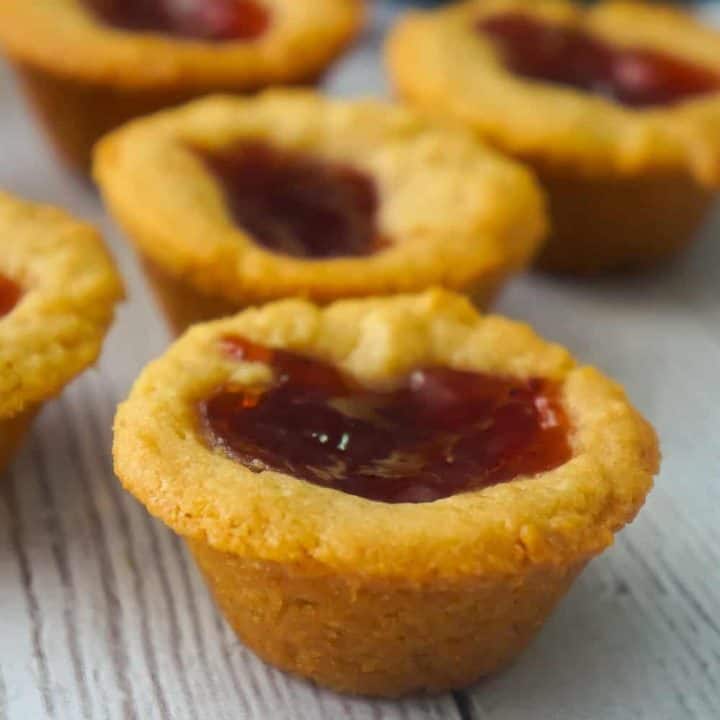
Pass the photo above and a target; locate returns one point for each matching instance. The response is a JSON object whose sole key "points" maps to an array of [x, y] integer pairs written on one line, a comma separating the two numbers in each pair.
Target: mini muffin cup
{"points": [[627, 186], [602, 224], [454, 213], [67, 290], [385, 637], [12, 434], [363, 596], [86, 76]]}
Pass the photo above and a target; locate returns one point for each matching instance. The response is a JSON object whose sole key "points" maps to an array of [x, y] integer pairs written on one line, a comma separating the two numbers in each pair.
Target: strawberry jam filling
{"points": [[436, 433], [207, 20], [563, 55], [10, 294], [298, 205]]}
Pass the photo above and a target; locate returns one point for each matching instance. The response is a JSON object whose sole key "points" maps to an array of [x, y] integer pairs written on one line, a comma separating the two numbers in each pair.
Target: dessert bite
{"points": [[389, 495], [234, 201], [58, 291], [615, 106], [88, 66]]}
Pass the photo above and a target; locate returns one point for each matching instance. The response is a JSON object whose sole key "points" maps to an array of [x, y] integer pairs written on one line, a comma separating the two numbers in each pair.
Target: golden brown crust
{"points": [[61, 36], [70, 290], [440, 63], [557, 518], [362, 635], [601, 224], [458, 213]]}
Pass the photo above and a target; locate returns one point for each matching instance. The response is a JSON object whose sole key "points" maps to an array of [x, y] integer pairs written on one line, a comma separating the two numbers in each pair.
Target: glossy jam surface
{"points": [[10, 294], [569, 56], [297, 205], [437, 433], [206, 20]]}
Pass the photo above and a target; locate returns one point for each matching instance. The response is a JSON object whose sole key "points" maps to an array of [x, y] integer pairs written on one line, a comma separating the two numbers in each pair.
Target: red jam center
{"points": [[438, 433], [208, 20], [297, 205], [570, 56], [10, 293]]}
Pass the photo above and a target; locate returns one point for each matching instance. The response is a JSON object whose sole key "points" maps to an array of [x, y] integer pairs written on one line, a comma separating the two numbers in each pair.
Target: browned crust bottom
{"points": [[604, 224], [184, 306], [12, 434], [181, 304], [381, 638]]}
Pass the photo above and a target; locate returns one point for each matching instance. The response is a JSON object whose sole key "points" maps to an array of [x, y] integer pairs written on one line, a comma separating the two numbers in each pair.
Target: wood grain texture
{"points": [[102, 615]]}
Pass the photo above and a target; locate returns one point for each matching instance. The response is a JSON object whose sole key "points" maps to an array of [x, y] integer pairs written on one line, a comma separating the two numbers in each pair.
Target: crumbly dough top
{"points": [[442, 64], [456, 211], [70, 289], [559, 516], [62, 36]]}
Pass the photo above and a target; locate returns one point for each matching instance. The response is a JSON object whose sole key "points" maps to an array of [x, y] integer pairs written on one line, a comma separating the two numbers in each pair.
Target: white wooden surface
{"points": [[103, 616]]}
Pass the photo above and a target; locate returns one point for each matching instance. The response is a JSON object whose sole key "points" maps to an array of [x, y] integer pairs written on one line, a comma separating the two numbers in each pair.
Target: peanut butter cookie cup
{"points": [[232, 201], [90, 65], [616, 106], [386, 496], [58, 288]]}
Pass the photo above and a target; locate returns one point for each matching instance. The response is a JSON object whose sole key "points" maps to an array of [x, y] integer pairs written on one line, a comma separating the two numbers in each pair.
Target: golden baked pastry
{"points": [[232, 201], [386, 495], [616, 106], [58, 288], [90, 65]]}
